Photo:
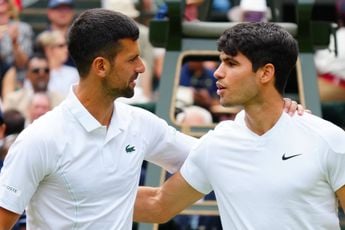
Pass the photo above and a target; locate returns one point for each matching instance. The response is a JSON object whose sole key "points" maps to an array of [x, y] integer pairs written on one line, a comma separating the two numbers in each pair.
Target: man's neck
{"points": [[261, 118], [100, 106]]}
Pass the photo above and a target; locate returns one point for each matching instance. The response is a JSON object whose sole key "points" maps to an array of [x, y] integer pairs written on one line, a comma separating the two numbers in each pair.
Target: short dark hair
{"points": [[262, 43], [38, 55], [96, 32], [14, 120]]}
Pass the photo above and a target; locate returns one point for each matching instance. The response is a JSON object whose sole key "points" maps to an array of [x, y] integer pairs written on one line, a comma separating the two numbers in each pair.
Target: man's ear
{"points": [[100, 66], [267, 73]]}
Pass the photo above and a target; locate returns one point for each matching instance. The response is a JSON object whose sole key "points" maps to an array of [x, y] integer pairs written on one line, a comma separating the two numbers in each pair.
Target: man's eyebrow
{"points": [[226, 58]]}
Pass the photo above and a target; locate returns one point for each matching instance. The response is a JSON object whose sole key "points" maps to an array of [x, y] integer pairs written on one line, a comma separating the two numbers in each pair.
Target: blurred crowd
{"points": [[36, 71]]}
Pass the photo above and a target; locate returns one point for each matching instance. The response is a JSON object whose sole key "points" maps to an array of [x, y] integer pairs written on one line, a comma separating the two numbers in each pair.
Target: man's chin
{"points": [[128, 94]]}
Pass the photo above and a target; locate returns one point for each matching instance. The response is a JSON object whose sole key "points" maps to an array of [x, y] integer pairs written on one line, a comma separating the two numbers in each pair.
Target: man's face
{"points": [[126, 66], [40, 104], [38, 74], [58, 51], [61, 15], [236, 80]]}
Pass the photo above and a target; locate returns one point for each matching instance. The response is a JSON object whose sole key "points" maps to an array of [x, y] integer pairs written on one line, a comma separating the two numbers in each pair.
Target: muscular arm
{"points": [[158, 205], [341, 196], [7, 219]]}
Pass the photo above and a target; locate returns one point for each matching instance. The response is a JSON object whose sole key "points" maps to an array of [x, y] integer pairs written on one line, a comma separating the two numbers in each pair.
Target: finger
{"points": [[293, 108], [287, 104], [300, 109]]}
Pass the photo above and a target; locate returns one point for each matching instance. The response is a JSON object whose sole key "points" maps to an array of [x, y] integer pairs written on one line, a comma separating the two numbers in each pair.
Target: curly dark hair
{"points": [[262, 43]]}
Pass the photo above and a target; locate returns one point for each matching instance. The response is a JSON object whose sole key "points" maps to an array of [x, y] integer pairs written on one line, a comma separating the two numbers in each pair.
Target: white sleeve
{"points": [[195, 168], [335, 169], [168, 147], [25, 166]]}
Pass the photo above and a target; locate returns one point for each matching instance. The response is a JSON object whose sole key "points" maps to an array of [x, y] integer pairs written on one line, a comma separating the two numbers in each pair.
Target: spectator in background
{"points": [[8, 79], [194, 115], [191, 12], [200, 79], [16, 39], [60, 15], [39, 105], [12, 123], [54, 46], [38, 78], [250, 11], [330, 65]]}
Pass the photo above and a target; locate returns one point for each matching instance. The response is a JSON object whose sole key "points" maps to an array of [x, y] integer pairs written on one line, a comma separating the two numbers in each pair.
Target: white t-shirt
{"points": [[284, 179], [73, 173]]}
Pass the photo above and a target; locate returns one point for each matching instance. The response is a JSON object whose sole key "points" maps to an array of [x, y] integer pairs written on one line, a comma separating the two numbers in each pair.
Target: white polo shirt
{"points": [[72, 173], [285, 179]]}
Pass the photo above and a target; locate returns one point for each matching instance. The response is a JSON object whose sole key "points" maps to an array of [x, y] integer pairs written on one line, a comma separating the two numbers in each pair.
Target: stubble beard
{"points": [[117, 92]]}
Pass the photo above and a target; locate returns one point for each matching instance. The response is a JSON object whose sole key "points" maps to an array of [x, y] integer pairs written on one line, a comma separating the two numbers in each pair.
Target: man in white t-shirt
{"points": [[78, 166], [268, 170]]}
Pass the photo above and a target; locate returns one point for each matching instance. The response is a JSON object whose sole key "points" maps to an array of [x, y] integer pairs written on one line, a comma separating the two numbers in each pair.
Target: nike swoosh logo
{"points": [[289, 157]]}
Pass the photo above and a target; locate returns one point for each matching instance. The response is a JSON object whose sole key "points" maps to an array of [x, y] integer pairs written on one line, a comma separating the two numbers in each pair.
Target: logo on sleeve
{"points": [[12, 190], [284, 158], [130, 149]]}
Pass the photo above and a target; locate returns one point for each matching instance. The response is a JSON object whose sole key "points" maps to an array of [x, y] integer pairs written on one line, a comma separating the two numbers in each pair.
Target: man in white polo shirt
{"points": [[268, 170], [78, 166]]}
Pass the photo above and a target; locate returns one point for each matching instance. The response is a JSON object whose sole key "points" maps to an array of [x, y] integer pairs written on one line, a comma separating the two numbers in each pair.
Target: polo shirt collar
{"points": [[118, 120]]}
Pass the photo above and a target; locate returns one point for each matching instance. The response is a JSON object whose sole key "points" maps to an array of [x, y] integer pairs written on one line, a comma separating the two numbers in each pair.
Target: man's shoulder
{"points": [[333, 135], [127, 109]]}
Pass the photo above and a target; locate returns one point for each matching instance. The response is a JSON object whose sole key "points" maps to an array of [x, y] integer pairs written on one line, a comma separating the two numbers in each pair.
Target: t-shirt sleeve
{"points": [[167, 147], [335, 169], [25, 166], [194, 169]]}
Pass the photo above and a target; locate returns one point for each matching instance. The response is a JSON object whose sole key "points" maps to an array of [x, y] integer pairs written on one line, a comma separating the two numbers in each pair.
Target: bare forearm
{"points": [[158, 205], [147, 208], [341, 196], [7, 219]]}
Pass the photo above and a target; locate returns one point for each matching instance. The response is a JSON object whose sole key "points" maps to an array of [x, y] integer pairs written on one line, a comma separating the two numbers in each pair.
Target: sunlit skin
{"points": [[125, 70], [239, 85], [233, 74], [110, 79]]}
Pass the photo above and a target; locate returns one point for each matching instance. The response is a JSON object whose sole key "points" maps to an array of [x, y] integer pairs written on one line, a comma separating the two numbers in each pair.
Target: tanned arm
{"points": [[158, 205], [7, 219], [341, 196]]}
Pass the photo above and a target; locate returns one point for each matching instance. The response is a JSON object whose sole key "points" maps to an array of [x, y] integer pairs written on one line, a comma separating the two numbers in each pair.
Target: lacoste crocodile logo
{"points": [[130, 149], [289, 157]]}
